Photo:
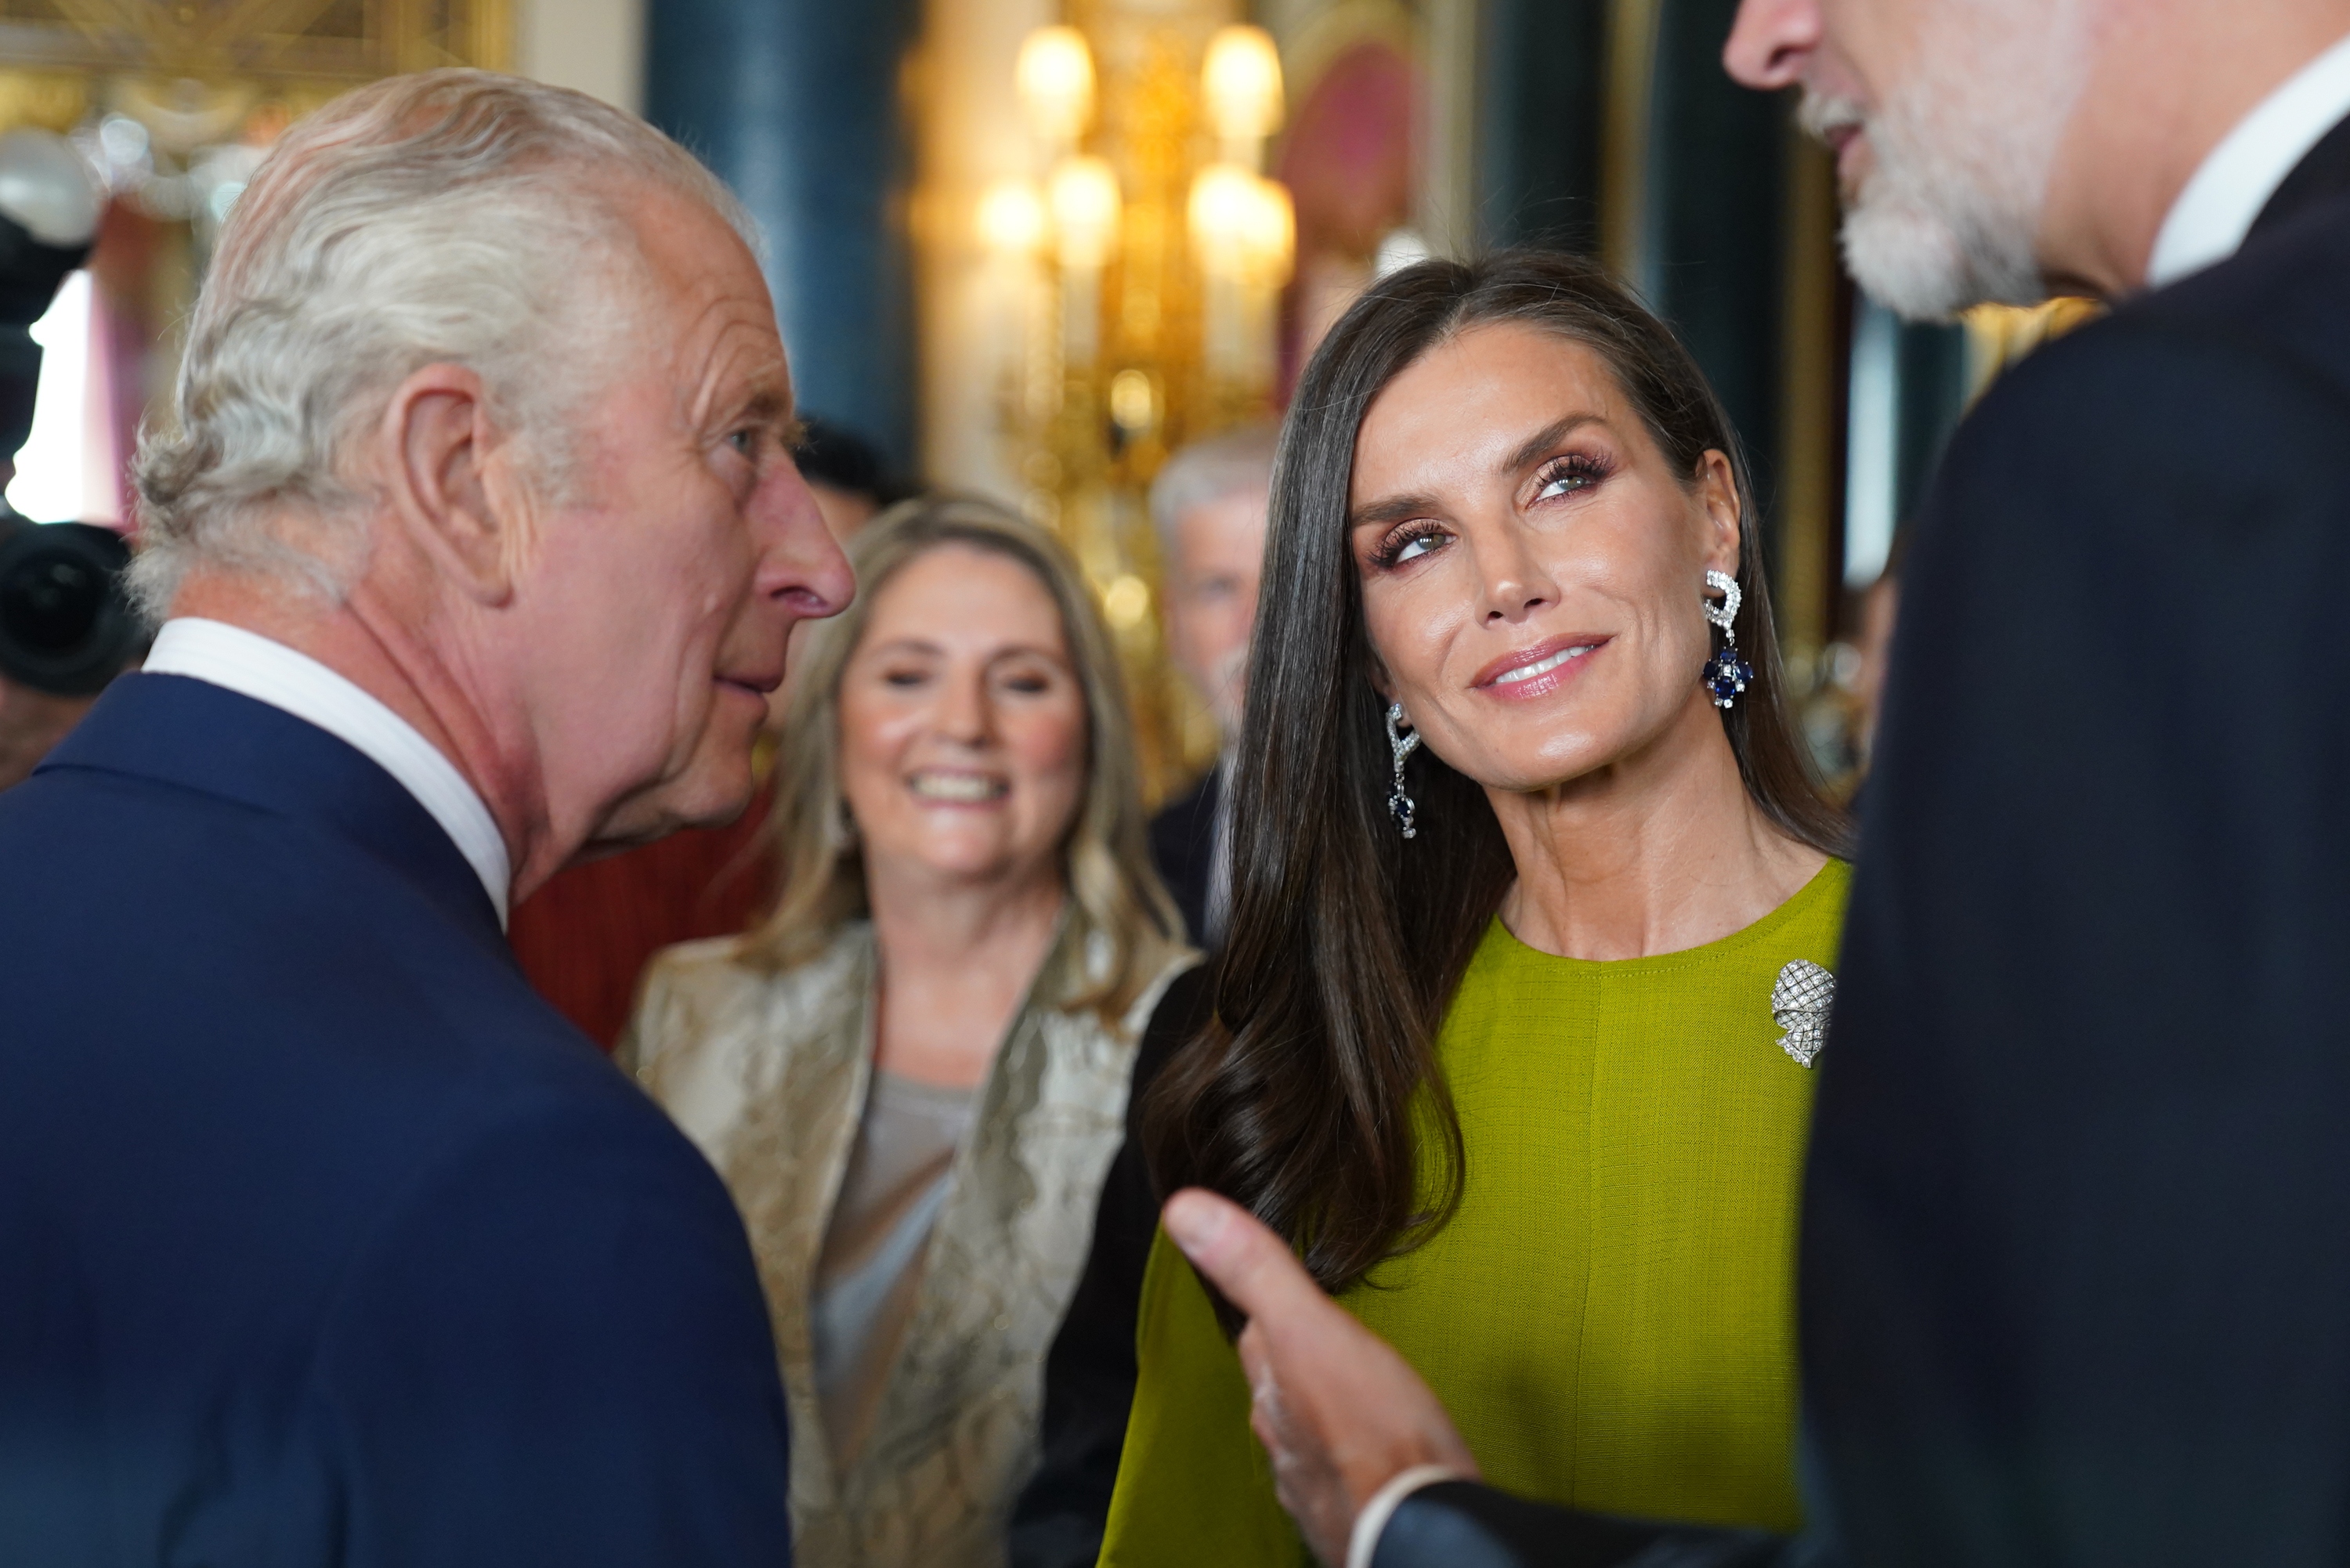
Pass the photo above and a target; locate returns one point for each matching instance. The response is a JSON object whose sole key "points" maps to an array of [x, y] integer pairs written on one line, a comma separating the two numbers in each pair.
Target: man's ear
{"points": [[1717, 492], [437, 440]]}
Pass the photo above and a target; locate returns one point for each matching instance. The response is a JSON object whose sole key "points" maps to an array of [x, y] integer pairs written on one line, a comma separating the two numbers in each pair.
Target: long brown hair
{"points": [[1114, 893], [1307, 1096]]}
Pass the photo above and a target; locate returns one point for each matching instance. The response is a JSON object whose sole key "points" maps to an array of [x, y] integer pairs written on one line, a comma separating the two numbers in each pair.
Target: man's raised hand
{"points": [[1338, 1410]]}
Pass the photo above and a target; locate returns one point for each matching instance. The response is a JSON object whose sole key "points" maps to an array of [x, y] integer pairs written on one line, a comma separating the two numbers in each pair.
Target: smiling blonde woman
{"points": [[913, 1076]]}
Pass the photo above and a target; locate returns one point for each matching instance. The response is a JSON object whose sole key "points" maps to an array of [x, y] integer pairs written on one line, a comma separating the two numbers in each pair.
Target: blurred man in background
{"points": [[1208, 504]]}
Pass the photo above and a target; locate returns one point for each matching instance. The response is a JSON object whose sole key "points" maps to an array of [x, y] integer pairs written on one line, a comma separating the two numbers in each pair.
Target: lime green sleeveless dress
{"points": [[1609, 1316]]}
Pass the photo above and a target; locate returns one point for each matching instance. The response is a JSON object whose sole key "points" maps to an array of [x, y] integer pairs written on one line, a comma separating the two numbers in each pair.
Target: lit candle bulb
{"points": [[1241, 80], [1085, 205], [1055, 79]]}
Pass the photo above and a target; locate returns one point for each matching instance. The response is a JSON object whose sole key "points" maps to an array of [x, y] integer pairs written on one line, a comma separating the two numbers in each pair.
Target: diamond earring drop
{"points": [[1727, 675], [1401, 743]]}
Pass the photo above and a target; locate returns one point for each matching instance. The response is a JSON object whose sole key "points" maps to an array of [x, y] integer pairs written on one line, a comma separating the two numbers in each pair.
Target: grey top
{"points": [[770, 1071], [869, 1277]]}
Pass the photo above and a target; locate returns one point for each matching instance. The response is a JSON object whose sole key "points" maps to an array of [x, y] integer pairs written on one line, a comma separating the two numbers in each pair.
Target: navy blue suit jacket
{"points": [[322, 1239], [2076, 1239]]}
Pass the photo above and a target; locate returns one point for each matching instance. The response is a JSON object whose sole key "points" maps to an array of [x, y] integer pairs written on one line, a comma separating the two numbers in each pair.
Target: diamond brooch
{"points": [[1799, 1005]]}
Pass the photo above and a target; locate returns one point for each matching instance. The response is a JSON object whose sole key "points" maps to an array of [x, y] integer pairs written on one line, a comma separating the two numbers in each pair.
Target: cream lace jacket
{"points": [[768, 1074]]}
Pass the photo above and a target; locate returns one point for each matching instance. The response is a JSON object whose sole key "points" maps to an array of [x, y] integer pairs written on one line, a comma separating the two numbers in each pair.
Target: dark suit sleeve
{"points": [[1462, 1525], [555, 1352], [1090, 1372], [2076, 1234]]}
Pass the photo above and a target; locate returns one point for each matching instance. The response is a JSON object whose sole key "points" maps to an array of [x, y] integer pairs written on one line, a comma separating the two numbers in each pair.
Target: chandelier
{"points": [[1140, 266]]}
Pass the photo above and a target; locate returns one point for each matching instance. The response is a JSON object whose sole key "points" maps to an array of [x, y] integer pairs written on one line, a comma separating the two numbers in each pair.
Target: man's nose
{"points": [[1772, 42], [800, 564]]}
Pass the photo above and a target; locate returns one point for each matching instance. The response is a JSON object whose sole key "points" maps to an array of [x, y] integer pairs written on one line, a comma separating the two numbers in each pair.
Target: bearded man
{"points": [[2076, 1239], [478, 540]]}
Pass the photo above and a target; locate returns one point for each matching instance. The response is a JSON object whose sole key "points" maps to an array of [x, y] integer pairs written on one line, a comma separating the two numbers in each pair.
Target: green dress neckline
{"points": [[1609, 1316]]}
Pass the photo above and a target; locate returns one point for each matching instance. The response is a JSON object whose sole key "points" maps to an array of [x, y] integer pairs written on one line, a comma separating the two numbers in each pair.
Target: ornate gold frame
{"points": [[57, 58]]}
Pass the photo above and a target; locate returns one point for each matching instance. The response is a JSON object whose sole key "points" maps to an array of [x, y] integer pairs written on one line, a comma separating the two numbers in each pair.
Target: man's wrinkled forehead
{"points": [[712, 317]]}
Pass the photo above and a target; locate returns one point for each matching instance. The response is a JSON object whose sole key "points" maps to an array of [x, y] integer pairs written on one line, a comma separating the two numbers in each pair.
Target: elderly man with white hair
{"points": [[477, 543]]}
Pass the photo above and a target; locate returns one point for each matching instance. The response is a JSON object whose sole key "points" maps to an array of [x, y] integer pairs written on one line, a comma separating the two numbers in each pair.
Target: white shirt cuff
{"points": [[1372, 1522]]}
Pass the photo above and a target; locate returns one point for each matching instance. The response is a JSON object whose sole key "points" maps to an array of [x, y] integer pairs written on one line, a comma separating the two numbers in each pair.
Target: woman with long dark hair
{"points": [[1535, 912]]}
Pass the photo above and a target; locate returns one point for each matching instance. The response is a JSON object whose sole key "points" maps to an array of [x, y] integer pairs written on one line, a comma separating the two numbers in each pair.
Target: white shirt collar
{"points": [[271, 673], [2215, 212]]}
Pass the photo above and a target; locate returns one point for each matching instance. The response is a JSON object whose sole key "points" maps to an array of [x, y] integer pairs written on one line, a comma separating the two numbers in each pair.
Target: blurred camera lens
{"points": [[65, 625]]}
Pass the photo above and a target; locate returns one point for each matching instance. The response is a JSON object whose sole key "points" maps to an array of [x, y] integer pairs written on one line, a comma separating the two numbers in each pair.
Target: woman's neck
{"points": [[956, 958], [1655, 854]]}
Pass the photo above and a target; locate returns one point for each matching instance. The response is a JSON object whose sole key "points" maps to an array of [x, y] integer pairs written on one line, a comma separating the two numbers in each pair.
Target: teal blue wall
{"points": [[796, 104], [1542, 67]]}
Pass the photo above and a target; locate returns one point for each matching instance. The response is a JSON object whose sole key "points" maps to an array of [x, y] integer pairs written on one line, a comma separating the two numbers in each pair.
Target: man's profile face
{"points": [[1945, 117], [1211, 597], [686, 549]]}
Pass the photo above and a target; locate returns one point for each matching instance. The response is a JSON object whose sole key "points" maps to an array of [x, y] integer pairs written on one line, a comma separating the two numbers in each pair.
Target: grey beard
{"points": [[1926, 241], [1950, 215]]}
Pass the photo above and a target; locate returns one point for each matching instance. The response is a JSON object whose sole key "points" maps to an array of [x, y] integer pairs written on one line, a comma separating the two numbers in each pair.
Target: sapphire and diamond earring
{"points": [[1726, 675], [1401, 742]]}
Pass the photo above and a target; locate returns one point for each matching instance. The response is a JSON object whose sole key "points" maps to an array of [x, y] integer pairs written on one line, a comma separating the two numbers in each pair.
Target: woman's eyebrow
{"points": [[1009, 651], [1532, 450], [1030, 650], [1536, 447], [1393, 509]]}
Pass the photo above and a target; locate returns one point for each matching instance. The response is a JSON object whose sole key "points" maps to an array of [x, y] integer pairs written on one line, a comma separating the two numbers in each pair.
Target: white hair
{"points": [[1207, 471], [1948, 216], [450, 217]]}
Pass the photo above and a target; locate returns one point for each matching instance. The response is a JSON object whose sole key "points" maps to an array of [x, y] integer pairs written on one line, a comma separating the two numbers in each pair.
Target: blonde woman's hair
{"points": [[1116, 902]]}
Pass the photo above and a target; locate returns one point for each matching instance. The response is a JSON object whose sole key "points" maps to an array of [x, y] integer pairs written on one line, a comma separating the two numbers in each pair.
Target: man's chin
{"points": [[712, 794], [1908, 262], [1914, 261]]}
